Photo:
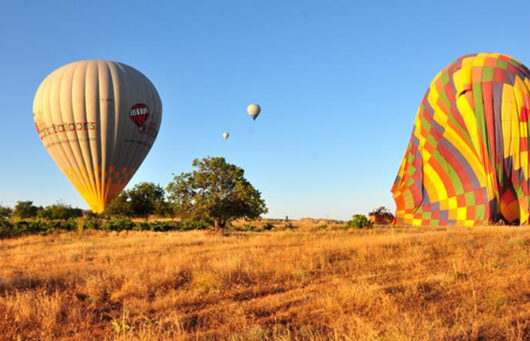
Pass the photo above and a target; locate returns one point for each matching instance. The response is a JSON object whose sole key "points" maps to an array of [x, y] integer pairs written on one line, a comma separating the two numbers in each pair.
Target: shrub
{"points": [[161, 226], [268, 227], [24, 227], [142, 227], [290, 226], [90, 223], [117, 224], [188, 224], [5, 228], [45, 226], [247, 227], [358, 221], [69, 225]]}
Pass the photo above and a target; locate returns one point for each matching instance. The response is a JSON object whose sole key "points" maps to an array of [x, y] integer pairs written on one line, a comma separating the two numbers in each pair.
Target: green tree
{"points": [[216, 192], [358, 221], [5, 212], [120, 206], [25, 209], [163, 209], [145, 198]]}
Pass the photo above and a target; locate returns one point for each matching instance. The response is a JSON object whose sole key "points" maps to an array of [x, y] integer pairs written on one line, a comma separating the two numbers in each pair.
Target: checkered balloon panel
{"points": [[467, 159]]}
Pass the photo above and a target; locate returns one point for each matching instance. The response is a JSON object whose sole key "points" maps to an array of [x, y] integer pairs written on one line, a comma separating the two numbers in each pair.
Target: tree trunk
{"points": [[216, 225]]}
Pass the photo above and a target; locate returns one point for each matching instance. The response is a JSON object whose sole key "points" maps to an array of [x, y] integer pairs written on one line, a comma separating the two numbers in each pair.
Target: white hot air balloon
{"points": [[253, 110], [226, 135], [98, 120]]}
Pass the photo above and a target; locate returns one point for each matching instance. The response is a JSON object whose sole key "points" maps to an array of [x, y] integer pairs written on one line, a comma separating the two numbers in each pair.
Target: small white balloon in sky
{"points": [[253, 110]]}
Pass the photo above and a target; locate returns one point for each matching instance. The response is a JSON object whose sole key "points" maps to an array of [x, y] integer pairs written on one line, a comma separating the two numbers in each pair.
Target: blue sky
{"points": [[339, 83]]}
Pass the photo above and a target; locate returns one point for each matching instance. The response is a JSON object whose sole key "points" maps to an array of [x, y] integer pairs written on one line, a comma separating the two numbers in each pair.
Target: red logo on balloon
{"points": [[139, 113]]}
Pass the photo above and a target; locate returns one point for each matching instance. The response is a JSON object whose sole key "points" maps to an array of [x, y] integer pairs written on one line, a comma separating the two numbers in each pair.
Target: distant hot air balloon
{"points": [[253, 110], [98, 120], [226, 135]]}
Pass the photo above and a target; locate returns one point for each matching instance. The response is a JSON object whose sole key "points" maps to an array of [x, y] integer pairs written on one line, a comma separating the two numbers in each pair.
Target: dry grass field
{"points": [[375, 284]]}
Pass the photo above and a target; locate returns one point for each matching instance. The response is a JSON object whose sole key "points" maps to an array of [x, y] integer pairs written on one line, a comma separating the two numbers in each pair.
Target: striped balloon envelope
{"points": [[98, 120], [467, 159]]}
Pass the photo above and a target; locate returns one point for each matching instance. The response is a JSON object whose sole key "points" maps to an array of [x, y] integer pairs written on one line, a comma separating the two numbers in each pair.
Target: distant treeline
{"points": [[141, 201], [14, 227], [213, 195], [215, 192], [26, 209], [144, 200]]}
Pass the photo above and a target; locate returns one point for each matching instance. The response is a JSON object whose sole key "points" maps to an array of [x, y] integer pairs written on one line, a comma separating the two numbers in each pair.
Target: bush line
{"points": [[23, 227]]}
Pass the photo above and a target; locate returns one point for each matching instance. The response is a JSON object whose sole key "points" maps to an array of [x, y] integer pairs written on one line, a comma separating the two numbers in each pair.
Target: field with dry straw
{"points": [[293, 284]]}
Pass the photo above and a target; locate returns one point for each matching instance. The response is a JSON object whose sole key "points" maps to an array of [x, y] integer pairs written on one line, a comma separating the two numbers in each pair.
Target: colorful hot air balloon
{"points": [[226, 135], [253, 110], [98, 120], [467, 161]]}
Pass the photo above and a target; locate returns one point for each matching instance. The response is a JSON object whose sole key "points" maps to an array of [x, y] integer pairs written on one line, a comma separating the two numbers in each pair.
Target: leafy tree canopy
{"points": [[358, 221], [216, 192], [25, 209], [59, 211], [5, 212], [143, 199], [120, 206]]}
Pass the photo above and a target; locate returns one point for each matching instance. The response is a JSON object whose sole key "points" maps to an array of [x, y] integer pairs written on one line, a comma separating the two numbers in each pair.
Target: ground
{"points": [[301, 283]]}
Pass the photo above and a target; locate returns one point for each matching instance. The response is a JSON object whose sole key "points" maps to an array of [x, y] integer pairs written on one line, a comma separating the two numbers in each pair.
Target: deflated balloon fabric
{"points": [[467, 159]]}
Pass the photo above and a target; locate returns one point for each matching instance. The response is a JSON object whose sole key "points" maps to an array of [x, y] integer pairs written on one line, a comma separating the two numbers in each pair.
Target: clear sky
{"points": [[339, 83]]}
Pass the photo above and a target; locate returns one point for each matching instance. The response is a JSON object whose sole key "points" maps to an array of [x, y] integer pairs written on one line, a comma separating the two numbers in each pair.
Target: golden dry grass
{"points": [[376, 284]]}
